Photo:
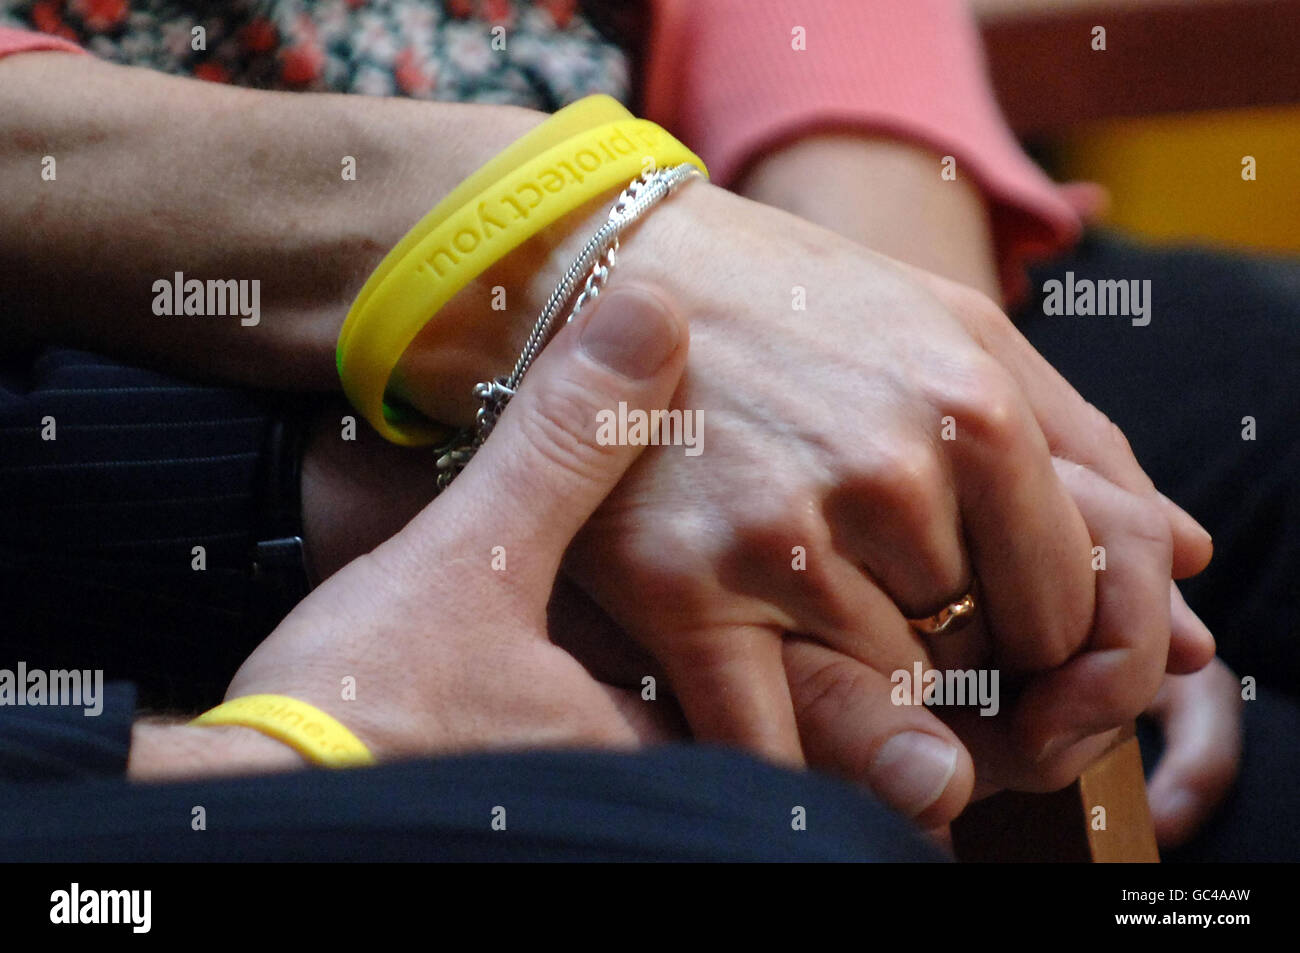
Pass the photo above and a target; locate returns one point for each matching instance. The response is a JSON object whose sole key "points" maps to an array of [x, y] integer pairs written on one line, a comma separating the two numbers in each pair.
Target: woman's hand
{"points": [[887, 195], [1072, 711], [443, 627], [828, 504]]}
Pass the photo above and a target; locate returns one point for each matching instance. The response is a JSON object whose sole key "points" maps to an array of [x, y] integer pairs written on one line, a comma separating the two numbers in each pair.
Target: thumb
{"points": [[553, 457]]}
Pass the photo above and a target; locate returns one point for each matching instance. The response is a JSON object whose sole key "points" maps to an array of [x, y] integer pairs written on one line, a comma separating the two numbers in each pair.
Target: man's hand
{"points": [[443, 628]]}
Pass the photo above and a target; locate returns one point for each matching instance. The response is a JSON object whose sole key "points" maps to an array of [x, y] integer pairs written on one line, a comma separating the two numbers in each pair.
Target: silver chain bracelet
{"points": [[596, 261]]}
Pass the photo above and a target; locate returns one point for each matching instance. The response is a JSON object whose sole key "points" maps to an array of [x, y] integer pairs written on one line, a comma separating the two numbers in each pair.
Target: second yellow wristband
{"points": [[314, 734]]}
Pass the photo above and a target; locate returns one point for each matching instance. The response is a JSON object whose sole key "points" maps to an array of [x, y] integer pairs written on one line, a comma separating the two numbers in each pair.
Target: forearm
{"points": [[157, 175], [887, 195]]}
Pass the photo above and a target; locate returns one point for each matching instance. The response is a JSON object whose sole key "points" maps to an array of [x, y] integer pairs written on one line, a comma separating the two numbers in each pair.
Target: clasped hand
{"points": [[826, 439]]}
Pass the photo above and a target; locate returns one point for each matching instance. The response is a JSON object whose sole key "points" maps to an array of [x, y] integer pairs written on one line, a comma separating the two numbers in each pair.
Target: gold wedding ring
{"points": [[952, 616]]}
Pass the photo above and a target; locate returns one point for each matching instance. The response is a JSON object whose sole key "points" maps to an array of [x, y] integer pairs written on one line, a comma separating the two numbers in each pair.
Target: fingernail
{"points": [[911, 771], [630, 332]]}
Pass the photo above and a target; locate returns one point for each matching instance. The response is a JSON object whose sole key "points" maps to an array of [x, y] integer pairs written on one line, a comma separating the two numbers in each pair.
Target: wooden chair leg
{"points": [[1101, 818]]}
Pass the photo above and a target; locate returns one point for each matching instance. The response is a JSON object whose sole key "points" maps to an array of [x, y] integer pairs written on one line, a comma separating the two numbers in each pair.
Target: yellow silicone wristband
{"points": [[569, 121], [318, 737], [528, 187]]}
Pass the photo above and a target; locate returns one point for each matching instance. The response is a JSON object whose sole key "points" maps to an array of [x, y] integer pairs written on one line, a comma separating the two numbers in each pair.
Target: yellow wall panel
{"points": [[1173, 177]]}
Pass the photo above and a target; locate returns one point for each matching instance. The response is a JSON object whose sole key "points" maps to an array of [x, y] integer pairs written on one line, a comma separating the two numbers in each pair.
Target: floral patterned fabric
{"points": [[541, 54]]}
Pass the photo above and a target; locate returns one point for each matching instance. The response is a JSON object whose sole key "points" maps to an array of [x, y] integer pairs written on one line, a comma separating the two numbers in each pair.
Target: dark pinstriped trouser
{"points": [[98, 525]]}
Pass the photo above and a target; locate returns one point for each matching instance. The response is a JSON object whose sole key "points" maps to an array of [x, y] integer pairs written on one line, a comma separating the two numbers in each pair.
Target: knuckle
{"points": [[1056, 648], [824, 695], [1101, 438], [906, 476], [1066, 622], [980, 314], [1148, 524], [1112, 439], [1123, 698], [559, 426], [668, 561], [987, 408], [783, 521]]}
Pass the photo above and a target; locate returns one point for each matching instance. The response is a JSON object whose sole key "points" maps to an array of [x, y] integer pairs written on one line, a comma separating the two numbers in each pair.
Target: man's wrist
{"points": [[300, 194], [404, 157], [170, 751]]}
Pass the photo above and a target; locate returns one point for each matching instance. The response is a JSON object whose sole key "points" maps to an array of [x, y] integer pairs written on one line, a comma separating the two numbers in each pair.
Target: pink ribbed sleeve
{"points": [[22, 41], [725, 77]]}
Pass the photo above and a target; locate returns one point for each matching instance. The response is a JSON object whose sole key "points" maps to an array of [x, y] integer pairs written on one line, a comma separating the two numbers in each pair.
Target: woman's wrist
{"points": [[888, 195]]}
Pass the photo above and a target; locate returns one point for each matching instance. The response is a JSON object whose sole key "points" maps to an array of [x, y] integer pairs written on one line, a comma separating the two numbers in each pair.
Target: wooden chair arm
{"points": [[1067, 825]]}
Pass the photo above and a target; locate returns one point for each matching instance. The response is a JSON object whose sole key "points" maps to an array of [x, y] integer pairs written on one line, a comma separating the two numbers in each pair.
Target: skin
{"points": [[1199, 712], [887, 195], [357, 500], [372, 620], [895, 517], [1200, 717]]}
